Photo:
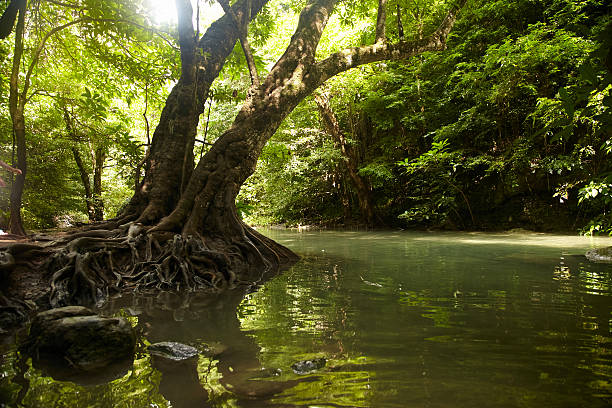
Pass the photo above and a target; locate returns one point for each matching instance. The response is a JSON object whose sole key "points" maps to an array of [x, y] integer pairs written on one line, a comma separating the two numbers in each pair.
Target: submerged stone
{"points": [[173, 351], [600, 255], [73, 343], [308, 366], [169, 356]]}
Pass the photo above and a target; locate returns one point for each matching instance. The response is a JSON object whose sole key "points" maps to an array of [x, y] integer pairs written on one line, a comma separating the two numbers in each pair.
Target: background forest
{"points": [[508, 127]]}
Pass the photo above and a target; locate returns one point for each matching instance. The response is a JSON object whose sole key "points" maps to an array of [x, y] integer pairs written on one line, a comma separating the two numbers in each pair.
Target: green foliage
{"points": [[507, 127], [97, 71], [596, 197], [514, 115], [516, 109], [296, 181]]}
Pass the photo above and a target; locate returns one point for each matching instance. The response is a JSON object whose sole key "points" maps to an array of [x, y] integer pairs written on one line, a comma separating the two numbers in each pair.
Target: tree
{"points": [[7, 21], [181, 228], [351, 161], [17, 101]]}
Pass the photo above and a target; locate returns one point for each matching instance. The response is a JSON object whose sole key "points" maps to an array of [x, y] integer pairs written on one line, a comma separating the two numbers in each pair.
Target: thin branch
{"points": [[243, 36], [67, 5], [41, 92], [160, 33], [400, 26], [129, 53], [144, 114], [197, 20], [207, 124], [41, 46]]}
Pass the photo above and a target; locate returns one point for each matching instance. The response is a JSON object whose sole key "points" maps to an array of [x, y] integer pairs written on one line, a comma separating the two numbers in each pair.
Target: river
{"points": [[401, 319]]}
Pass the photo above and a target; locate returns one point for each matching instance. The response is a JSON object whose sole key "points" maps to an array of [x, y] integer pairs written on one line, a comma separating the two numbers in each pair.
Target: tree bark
{"points": [[98, 204], [86, 184], [381, 20], [170, 161], [16, 222], [361, 186], [16, 108], [7, 21], [400, 25]]}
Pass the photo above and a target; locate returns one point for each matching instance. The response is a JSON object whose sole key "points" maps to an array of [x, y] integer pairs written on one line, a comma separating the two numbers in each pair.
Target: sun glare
{"points": [[164, 11]]}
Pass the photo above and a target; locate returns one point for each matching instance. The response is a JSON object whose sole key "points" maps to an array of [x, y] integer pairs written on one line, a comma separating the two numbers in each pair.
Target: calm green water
{"points": [[403, 320]]}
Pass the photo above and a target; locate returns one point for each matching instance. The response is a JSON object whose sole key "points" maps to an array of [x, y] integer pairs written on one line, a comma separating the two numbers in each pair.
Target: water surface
{"points": [[403, 320]]}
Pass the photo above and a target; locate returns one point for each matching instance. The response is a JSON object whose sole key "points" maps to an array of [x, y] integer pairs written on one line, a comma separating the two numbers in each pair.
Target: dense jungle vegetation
{"points": [[508, 127]]}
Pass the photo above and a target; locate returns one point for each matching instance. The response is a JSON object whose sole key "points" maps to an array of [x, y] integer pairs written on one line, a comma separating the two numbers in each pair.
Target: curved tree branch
{"points": [[41, 46], [354, 57]]}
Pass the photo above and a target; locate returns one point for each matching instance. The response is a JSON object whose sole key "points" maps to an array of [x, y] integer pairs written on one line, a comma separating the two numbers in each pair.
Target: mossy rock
{"points": [[74, 343], [169, 356], [603, 255]]}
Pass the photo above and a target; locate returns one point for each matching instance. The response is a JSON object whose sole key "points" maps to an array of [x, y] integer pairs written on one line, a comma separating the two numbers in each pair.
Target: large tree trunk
{"points": [[170, 161]]}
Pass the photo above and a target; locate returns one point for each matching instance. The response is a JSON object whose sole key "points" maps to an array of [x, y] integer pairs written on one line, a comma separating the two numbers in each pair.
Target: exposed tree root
{"points": [[12, 312], [87, 267]]}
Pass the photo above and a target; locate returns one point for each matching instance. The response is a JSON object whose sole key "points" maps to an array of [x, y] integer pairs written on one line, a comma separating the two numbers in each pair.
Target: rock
{"points": [[308, 366], [169, 356], [180, 381], [73, 343], [600, 255], [173, 351]]}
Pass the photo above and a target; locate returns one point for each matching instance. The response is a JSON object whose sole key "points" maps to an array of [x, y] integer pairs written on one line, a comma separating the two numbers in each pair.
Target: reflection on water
{"points": [[403, 319]]}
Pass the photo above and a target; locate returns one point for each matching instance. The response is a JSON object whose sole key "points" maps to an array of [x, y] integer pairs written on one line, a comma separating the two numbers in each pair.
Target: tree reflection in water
{"points": [[210, 323]]}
